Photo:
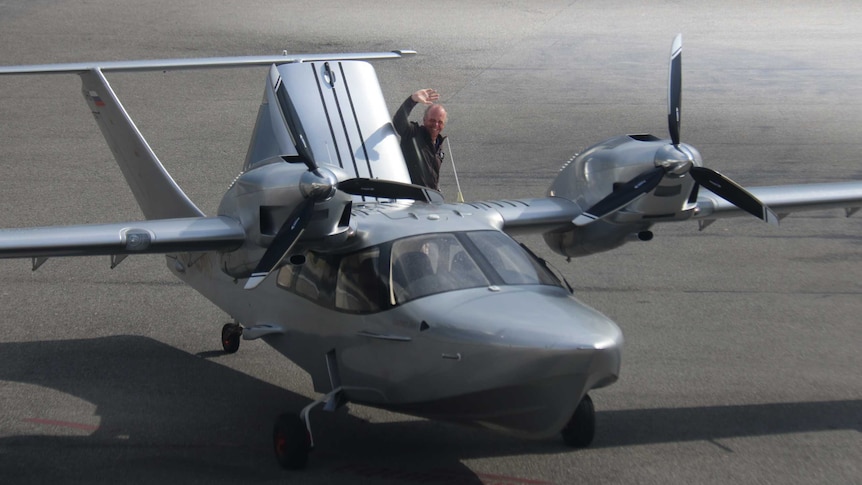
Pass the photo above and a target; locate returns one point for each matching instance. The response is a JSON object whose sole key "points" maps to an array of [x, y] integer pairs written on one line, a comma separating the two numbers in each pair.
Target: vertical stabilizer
{"points": [[157, 194], [336, 110]]}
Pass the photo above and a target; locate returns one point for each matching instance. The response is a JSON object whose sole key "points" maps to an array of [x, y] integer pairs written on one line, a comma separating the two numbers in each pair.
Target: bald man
{"points": [[422, 144]]}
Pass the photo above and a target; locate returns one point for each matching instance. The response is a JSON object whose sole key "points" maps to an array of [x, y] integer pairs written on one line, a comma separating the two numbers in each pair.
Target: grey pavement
{"points": [[741, 361]]}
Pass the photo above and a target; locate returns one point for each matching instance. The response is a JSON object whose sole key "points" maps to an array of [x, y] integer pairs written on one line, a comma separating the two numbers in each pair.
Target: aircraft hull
{"points": [[488, 360], [479, 356], [532, 409]]}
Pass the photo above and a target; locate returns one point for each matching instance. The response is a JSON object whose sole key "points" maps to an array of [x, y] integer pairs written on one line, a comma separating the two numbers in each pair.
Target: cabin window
{"points": [[360, 287], [376, 278], [510, 261], [351, 283], [314, 279]]}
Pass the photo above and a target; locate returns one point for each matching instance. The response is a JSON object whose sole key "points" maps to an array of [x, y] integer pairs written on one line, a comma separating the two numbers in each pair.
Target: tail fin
{"points": [[157, 194], [337, 111]]}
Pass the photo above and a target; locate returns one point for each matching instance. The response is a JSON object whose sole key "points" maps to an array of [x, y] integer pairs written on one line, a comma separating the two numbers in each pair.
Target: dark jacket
{"points": [[423, 156]]}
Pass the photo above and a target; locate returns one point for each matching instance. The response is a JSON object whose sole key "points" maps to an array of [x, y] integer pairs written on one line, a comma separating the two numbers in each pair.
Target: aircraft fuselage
{"points": [[482, 334]]}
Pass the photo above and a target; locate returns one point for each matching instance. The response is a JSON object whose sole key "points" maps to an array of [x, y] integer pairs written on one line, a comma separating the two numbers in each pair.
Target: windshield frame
{"points": [[439, 263]]}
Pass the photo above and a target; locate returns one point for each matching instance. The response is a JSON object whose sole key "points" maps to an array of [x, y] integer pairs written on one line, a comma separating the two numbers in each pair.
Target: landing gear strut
{"points": [[230, 335], [581, 429]]}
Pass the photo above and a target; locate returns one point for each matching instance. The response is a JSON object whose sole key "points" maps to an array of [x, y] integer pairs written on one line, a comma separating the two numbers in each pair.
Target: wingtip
{"points": [[676, 45], [770, 217]]}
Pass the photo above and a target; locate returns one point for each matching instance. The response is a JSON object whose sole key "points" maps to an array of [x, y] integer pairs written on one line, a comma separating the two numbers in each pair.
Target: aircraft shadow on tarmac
{"points": [[172, 416]]}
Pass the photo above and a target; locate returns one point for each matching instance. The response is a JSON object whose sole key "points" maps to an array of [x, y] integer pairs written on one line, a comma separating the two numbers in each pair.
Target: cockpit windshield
{"points": [[434, 263], [396, 272]]}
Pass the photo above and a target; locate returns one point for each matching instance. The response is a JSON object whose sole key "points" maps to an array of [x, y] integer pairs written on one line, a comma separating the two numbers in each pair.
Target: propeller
{"points": [[676, 160], [318, 185], [732, 192], [626, 194], [674, 89], [283, 242], [388, 189]]}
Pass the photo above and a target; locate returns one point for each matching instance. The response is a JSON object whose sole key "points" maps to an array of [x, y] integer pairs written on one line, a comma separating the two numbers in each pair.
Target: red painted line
{"points": [[62, 424]]}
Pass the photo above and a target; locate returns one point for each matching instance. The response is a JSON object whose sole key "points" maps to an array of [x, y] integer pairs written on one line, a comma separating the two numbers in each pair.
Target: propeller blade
{"points": [[284, 240], [623, 196], [388, 189], [674, 95], [303, 149], [732, 192]]}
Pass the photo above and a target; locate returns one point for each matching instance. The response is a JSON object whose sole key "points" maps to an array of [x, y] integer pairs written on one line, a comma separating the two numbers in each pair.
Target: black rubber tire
{"points": [[581, 429], [230, 336], [291, 442]]}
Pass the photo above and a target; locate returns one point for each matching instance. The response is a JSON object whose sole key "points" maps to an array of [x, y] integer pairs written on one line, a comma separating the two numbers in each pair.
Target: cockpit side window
{"points": [[351, 282], [380, 277], [360, 287], [509, 260], [314, 279]]}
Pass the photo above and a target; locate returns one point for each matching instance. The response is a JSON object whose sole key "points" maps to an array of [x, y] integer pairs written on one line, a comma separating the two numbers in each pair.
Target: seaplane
{"points": [[384, 292]]}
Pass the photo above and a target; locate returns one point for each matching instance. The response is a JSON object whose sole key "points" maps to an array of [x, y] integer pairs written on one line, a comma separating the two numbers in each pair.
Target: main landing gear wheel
{"points": [[291, 442], [581, 429], [230, 334]]}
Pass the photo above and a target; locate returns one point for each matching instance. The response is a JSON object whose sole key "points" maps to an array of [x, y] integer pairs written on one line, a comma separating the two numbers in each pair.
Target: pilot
{"points": [[422, 145]]}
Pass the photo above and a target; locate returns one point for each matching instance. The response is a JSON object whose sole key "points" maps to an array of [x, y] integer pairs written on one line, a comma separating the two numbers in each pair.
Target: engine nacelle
{"points": [[601, 169], [264, 198], [595, 238]]}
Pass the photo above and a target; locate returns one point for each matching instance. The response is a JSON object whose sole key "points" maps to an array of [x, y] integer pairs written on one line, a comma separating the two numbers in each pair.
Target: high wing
{"points": [[195, 63], [174, 224], [786, 199], [122, 239], [555, 217], [538, 215], [617, 189]]}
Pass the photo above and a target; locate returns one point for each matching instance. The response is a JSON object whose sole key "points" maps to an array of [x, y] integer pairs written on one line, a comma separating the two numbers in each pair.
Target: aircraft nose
{"points": [[546, 321], [537, 317]]}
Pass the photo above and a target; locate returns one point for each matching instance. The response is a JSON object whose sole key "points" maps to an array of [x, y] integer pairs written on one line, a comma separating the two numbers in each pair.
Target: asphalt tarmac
{"points": [[742, 359]]}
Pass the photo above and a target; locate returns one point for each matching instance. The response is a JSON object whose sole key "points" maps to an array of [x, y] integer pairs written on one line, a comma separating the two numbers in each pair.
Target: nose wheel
{"points": [[291, 441], [581, 429]]}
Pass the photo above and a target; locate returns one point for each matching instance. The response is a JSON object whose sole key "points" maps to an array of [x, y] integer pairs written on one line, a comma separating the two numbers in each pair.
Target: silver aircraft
{"points": [[383, 292]]}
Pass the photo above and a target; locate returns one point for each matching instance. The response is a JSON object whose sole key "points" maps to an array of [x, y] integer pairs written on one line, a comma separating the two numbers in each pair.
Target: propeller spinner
{"points": [[675, 160]]}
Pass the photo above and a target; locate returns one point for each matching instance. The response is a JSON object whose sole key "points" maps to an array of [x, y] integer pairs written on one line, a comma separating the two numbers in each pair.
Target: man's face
{"points": [[435, 120]]}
